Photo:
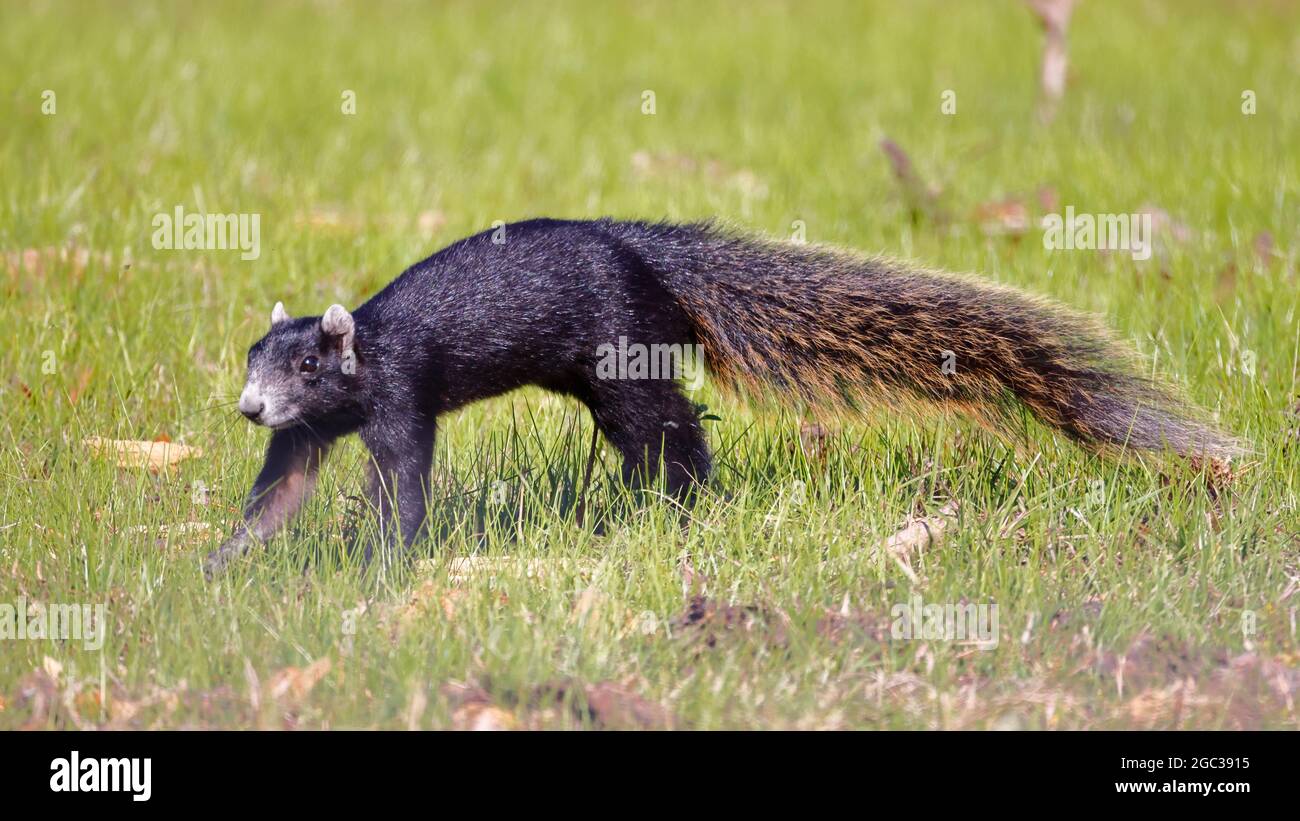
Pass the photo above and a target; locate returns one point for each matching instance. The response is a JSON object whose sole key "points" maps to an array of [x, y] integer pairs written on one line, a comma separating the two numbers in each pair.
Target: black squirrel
{"points": [[536, 302]]}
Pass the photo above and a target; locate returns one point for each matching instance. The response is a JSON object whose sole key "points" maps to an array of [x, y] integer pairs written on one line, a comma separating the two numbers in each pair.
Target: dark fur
{"points": [[478, 319]]}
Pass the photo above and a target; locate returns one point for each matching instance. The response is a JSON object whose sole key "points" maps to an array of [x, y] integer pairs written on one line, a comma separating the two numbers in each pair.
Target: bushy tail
{"points": [[830, 326]]}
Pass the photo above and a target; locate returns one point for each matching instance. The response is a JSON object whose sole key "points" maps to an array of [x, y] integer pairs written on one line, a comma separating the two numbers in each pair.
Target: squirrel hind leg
{"points": [[653, 425]]}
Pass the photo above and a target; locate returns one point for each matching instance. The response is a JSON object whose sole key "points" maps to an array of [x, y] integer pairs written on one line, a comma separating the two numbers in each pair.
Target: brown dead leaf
{"points": [[450, 601], [1006, 217], [84, 376], [474, 709], [155, 456], [295, 682], [477, 716]]}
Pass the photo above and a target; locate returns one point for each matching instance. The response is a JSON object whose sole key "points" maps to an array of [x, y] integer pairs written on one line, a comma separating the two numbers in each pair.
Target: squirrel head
{"points": [[304, 371]]}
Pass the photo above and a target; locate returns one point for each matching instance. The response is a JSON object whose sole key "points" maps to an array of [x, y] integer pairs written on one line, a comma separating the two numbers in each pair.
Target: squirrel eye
{"points": [[309, 365]]}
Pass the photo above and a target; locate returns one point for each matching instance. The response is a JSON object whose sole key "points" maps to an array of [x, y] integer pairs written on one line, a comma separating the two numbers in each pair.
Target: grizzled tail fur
{"points": [[828, 327]]}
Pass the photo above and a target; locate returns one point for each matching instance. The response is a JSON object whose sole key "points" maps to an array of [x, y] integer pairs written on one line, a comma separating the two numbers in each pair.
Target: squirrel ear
{"points": [[338, 322], [279, 314]]}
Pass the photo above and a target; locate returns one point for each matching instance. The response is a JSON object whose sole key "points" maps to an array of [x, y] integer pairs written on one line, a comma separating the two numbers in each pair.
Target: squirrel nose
{"points": [[250, 404]]}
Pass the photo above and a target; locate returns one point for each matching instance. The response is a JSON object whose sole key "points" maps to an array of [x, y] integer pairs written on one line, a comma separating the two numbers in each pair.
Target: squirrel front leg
{"points": [[293, 459]]}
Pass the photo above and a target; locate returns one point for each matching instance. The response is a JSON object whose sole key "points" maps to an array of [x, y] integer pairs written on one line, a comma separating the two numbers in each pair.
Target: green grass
{"points": [[1122, 588]]}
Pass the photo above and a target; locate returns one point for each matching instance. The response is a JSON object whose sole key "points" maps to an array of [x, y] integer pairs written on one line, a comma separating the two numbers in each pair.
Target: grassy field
{"points": [[1128, 594]]}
